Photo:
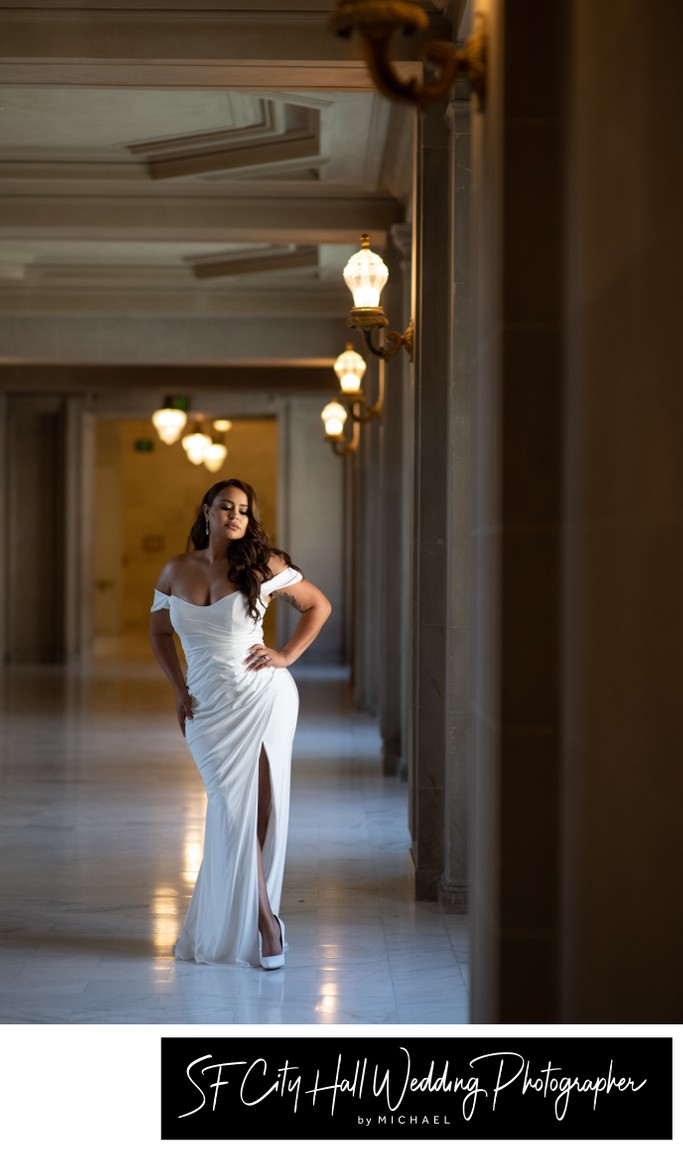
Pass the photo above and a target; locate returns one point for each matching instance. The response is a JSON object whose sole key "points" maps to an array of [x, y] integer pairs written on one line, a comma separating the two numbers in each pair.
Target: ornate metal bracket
{"points": [[371, 319], [378, 21]]}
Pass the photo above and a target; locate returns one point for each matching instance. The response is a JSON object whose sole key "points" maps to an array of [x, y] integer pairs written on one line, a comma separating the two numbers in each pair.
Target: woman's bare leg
{"points": [[271, 943]]}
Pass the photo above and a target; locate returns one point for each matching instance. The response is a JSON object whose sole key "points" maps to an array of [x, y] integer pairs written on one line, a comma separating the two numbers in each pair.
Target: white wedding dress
{"points": [[236, 712]]}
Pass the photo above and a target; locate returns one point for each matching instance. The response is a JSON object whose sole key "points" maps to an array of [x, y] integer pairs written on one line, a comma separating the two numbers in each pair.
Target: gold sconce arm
{"points": [[369, 320], [358, 407], [378, 21]]}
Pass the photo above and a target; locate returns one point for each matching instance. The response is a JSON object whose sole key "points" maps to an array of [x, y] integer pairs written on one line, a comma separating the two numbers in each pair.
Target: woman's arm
{"points": [[315, 609], [164, 648]]}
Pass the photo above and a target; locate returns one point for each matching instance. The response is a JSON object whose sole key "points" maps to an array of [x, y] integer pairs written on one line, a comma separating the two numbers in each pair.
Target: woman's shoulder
{"points": [[172, 570], [277, 561]]}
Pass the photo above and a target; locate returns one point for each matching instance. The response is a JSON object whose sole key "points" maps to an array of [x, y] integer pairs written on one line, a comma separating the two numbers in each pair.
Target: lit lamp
{"points": [[169, 421], [215, 453], [365, 275], [214, 456], [334, 416], [196, 442], [350, 368]]}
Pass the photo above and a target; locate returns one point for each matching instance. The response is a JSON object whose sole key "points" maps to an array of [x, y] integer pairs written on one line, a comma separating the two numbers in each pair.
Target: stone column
{"points": [[622, 793], [431, 514], [396, 518], [4, 510], [79, 471], [35, 502], [518, 394], [365, 514], [311, 517], [458, 605]]}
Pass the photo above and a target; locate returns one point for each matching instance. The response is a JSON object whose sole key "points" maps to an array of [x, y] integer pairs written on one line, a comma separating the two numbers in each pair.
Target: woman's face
{"points": [[228, 515]]}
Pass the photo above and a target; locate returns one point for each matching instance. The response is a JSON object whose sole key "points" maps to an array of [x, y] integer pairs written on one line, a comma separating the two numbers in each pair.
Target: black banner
{"points": [[416, 1088]]}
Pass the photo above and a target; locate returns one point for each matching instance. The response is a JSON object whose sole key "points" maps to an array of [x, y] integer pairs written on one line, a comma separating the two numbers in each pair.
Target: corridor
{"points": [[102, 819]]}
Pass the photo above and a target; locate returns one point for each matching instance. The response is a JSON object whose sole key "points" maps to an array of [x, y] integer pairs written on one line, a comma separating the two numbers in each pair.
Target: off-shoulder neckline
{"points": [[203, 606]]}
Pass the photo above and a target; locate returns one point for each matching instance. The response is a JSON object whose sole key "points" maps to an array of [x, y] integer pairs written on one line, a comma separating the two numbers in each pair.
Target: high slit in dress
{"points": [[236, 714]]}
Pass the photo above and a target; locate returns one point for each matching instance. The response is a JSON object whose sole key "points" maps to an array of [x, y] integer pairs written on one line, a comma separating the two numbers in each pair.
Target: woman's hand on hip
{"points": [[183, 708], [260, 657]]}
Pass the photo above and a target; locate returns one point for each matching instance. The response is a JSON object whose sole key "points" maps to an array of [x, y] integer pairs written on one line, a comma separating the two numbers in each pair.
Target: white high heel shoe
{"points": [[275, 961]]}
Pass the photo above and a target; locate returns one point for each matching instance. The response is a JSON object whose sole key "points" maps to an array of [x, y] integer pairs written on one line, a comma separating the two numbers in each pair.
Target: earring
{"points": [[207, 525]]}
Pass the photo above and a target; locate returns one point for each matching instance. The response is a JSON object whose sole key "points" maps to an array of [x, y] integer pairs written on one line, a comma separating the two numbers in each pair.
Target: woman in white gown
{"points": [[238, 711]]}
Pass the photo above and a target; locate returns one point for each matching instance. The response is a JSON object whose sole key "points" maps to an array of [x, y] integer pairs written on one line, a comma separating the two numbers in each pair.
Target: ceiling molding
{"points": [[88, 35], [170, 339], [261, 132], [287, 219], [182, 185], [256, 76], [308, 298], [288, 148], [253, 263], [100, 380], [240, 50]]}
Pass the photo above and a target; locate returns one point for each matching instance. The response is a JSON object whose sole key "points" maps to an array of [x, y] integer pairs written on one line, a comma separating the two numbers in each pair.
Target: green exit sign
{"points": [[144, 445]]}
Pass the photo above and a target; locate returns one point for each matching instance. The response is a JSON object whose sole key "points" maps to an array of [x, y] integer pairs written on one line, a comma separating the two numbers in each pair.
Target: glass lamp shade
{"points": [[334, 418], [169, 423], [214, 456], [365, 275], [195, 445], [350, 369]]}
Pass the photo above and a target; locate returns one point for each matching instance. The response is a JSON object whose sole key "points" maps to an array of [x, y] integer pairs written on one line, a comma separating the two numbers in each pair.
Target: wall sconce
{"points": [[350, 368], [334, 416], [170, 419], [365, 275], [377, 21]]}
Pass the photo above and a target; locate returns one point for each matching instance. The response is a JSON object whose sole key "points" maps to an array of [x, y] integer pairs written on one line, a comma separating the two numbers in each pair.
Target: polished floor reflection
{"points": [[102, 815]]}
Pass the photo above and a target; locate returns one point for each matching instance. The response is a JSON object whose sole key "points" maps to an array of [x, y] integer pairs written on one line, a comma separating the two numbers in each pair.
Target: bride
{"points": [[238, 710]]}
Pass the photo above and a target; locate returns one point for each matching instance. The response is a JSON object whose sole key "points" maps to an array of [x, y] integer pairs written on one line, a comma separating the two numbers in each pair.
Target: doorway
{"points": [[146, 497]]}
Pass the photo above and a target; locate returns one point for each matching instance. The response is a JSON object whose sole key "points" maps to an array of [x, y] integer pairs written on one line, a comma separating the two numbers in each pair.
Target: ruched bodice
{"points": [[236, 713]]}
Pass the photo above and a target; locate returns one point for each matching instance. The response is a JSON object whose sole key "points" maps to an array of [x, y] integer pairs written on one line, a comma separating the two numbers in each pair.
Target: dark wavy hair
{"points": [[247, 557]]}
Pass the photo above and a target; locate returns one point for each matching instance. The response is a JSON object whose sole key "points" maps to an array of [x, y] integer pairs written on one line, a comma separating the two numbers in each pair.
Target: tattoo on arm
{"points": [[288, 599]]}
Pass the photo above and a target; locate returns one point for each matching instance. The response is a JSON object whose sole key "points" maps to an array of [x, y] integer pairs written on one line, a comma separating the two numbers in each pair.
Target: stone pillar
{"points": [[431, 515], [458, 605], [365, 513], [396, 518], [578, 497], [518, 257], [4, 512], [36, 510], [311, 517], [622, 627], [79, 471]]}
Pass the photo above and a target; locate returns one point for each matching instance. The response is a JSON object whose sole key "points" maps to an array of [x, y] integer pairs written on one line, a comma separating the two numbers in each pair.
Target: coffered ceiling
{"points": [[183, 183]]}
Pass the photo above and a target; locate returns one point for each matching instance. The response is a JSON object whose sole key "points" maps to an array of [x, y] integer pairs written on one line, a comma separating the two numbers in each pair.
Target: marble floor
{"points": [[101, 814]]}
